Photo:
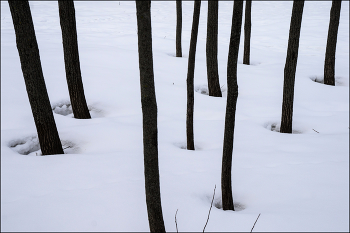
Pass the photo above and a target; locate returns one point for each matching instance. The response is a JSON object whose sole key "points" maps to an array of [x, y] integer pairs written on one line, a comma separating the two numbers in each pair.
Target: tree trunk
{"points": [[149, 114], [178, 28], [34, 79], [212, 49], [329, 62], [71, 60], [290, 67], [247, 31], [190, 75], [232, 95]]}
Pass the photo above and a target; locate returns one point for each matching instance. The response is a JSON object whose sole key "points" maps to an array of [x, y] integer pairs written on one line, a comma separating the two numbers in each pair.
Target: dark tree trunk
{"points": [[71, 60], [329, 62], [190, 75], [232, 95], [149, 113], [247, 31], [34, 79], [212, 49], [178, 28], [290, 67]]}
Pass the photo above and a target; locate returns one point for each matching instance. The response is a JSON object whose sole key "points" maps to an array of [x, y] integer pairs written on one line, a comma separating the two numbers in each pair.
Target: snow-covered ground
{"points": [[298, 182]]}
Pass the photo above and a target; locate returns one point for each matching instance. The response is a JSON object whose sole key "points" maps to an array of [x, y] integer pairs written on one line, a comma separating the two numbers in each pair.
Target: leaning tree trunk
{"points": [[34, 79], [212, 49], [232, 95], [290, 67], [190, 75], [178, 28], [329, 62], [247, 31], [149, 113], [71, 60]]}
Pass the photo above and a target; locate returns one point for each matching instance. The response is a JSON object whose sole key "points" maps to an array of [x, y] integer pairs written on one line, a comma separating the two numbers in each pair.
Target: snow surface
{"points": [[298, 182]]}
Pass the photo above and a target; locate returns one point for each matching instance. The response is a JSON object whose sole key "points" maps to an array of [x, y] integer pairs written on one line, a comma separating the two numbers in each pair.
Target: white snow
{"points": [[298, 182]]}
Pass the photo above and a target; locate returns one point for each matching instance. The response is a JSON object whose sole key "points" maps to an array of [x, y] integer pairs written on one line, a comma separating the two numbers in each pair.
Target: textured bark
{"points": [[34, 79], [71, 60], [232, 95], [247, 31], [329, 63], [290, 67], [149, 114], [212, 49], [190, 75], [178, 28]]}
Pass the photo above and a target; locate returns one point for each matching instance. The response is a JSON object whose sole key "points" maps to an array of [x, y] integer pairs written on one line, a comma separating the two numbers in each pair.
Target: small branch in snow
{"points": [[176, 221], [315, 131], [210, 209], [254, 223]]}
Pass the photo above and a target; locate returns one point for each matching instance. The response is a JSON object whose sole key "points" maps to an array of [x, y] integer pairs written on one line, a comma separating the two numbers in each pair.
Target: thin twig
{"points": [[315, 131], [254, 223], [211, 205], [67, 147], [176, 221]]}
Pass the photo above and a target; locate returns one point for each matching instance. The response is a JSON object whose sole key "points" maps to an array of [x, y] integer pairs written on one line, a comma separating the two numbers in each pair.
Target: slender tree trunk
{"points": [[212, 49], [34, 79], [149, 113], [232, 95], [290, 67], [247, 31], [71, 60], [329, 62], [190, 75], [178, 28]]}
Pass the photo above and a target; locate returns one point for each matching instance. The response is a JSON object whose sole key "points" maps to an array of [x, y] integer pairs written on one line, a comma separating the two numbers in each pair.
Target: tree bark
{"points": [[212, 49], [232, 95], [149, 113], [178, 28], [34, 79], [247, 31], [190, 75], [329, 63], [290, 67], [71, 60]]}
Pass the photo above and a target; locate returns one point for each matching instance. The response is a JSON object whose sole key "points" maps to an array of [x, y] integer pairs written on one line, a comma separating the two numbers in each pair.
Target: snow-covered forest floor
{"points": [[298, 182]]}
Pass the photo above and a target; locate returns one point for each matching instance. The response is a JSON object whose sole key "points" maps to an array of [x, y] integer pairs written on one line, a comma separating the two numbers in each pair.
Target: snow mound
{"points": [[183, 145], [64, 108], [203, 89], [275, 127], [26, 145], [339, 81], [30, 146]]}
